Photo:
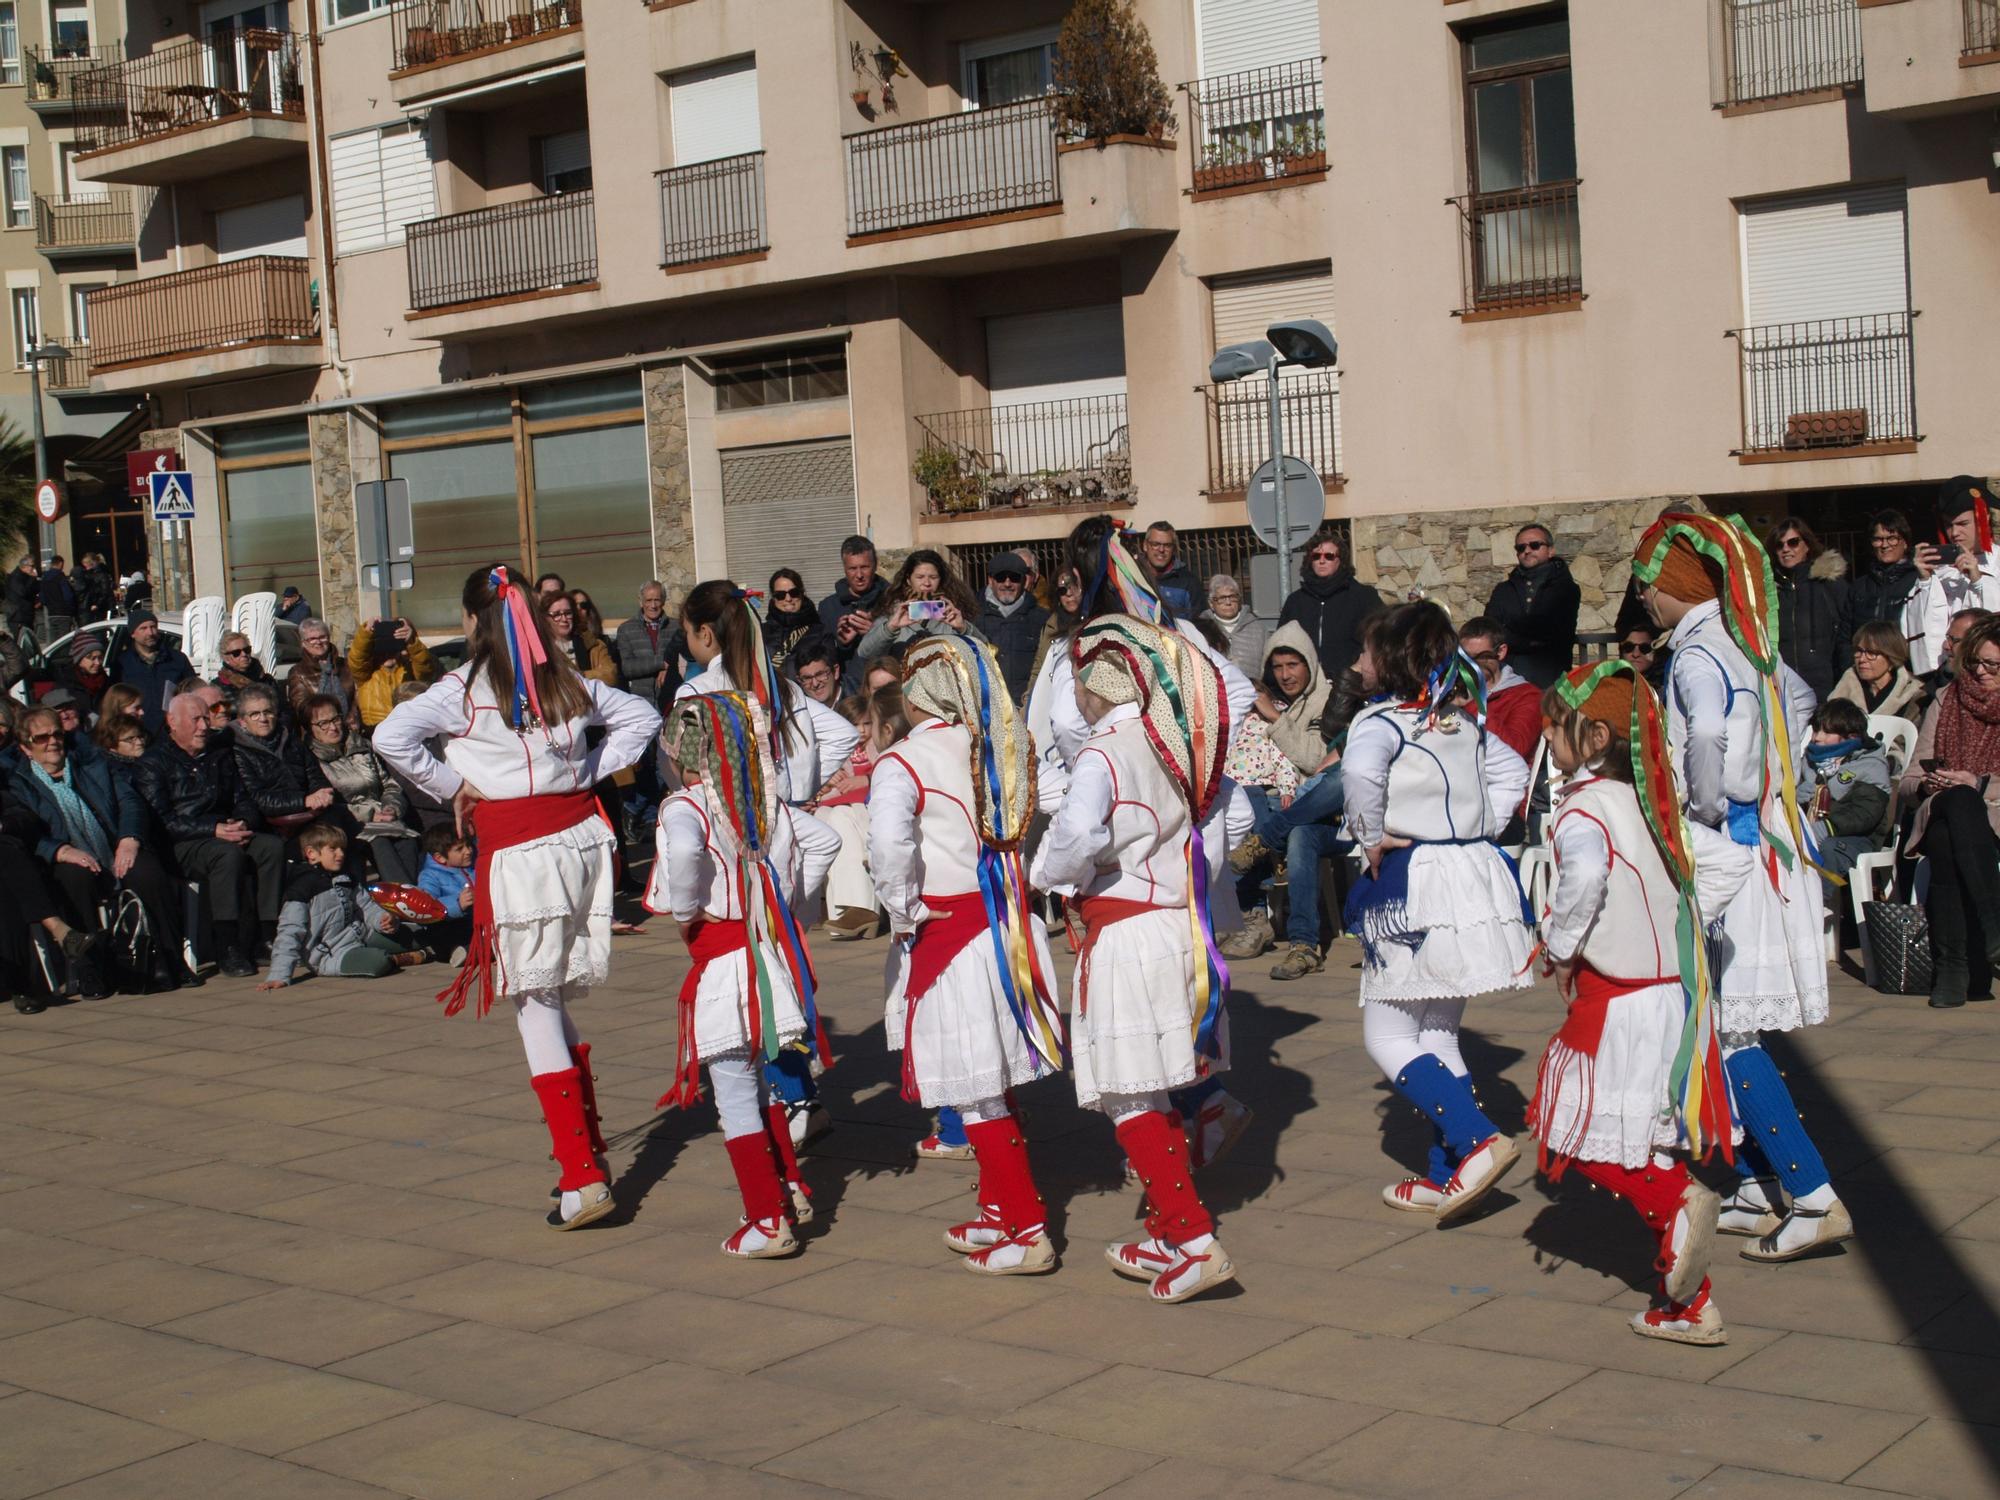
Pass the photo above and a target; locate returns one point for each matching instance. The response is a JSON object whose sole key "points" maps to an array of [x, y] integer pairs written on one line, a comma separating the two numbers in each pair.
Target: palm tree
{"points": [[17, 488]]}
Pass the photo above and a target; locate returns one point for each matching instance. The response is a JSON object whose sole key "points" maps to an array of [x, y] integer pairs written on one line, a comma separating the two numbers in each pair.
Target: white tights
{"points": [[547, 1032], [1397, 1032], [740, 1094]]}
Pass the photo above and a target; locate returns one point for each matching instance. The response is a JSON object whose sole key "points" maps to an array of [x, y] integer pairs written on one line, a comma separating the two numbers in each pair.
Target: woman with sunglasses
{"points": [[789, 616], [240, 667], [1812, 601], [1330, 603]]}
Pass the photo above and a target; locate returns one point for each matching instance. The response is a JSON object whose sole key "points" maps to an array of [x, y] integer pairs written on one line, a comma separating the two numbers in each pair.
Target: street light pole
{"points": [[48, 530], [1278, 458]]}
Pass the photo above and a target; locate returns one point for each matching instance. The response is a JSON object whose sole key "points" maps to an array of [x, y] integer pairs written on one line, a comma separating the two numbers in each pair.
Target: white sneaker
{"points": [[1193, 1273], [808, 1121], [1416, 1195], [1477, 1176], [761, 1239], [1219, 1125]]}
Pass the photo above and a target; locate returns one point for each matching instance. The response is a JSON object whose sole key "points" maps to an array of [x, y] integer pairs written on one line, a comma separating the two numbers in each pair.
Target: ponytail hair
{"points": [[719, 605], [533, 681]]}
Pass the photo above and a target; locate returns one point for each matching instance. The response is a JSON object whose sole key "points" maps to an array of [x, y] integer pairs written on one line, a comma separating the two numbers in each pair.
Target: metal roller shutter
{"points": [[1834, 255], [1237, 35], [715, 112], [1243, 308], [1056, 355], [788, 507]]}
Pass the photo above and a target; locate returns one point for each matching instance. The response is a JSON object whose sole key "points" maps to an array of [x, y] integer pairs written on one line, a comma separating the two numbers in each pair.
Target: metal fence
{"points": [[1777, 47], [70, 372], [1521, 248], [1832, 383], [1213, 550], [84, 223], [959, 166], [423, 32], [1038, 453], [258, 300], [52, 71], [712, 210], [1256, 125], [1982, 26], [228, 73], [1239, 426], [535, 245]]}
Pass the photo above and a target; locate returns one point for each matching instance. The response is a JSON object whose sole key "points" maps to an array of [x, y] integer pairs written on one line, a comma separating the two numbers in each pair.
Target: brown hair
{"points": [[950, 586], [1886, 640], [120, 700], [1612, 759], [557, 682], [1982, 632], [322, 836], [1407, 643], [112, 728], [719, 605], [887, 709]]}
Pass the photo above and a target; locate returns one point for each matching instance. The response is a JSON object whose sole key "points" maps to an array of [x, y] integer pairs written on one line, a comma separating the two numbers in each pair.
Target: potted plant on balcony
{"points": [[952, 490], [1107, 76], [1299, 147], [520, 25], [1228, 162], [44, 84]]}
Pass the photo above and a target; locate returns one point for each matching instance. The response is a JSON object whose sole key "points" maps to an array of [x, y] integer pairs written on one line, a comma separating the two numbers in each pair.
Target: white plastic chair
{"points": [[1899, 739], [202, 627], [256, 615]]}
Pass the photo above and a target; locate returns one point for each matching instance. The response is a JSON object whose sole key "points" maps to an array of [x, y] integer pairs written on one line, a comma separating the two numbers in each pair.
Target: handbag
{"points": [[1899, 935], [133, 952]]}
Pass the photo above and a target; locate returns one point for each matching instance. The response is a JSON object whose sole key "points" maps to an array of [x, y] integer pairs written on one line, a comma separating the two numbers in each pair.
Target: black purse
{"points": [[1899, 936]]}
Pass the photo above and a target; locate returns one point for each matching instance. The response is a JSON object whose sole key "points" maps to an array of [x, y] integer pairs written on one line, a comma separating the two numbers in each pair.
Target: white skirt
{"points": [[1135, 1034], [1769, 944], [964, 1047], [1617, 1106], [723, 997], [552, 911], [1467, 903]]}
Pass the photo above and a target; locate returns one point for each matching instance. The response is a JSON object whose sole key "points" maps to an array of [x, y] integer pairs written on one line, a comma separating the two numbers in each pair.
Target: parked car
{"points": [[41, 661]]}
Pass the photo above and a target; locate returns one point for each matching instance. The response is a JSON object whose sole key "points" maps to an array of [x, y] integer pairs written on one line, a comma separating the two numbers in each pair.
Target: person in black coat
{"points": [[59, 600], [1172, 577], [94, 586], [846, 614], [24, 594], [284, 780], [1537, 605], [1882, 591], [1812, 600], [789, 616], [152, 667], [1011, 621], [1330, 604]]}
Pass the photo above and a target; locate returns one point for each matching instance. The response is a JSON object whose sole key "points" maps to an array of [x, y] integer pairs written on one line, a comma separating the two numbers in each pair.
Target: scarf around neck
{"points": [[1968, 728]]}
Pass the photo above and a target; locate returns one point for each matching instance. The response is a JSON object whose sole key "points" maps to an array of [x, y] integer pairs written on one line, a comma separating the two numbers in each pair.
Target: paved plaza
{"points": [[290, 1245]]}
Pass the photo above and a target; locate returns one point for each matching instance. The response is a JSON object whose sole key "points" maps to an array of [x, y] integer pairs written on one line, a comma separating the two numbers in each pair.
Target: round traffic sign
{"points": [[1305, 501], [50, 501]]}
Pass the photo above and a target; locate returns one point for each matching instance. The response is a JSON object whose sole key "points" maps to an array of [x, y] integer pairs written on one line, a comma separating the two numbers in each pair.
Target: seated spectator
{"points": [[550, 583], [1956, 774], [292, 607], [1513, 704], [216, 707], [36, 905], [83, 672], [372, 797], [1639, 644], [1012, 621], [330, 925], [152, 666], [648, 647], [420, 808], [196, 792], [289, 787], [240, 667], [842, 804], [816, 665], [70, 709], [119, 702], [447, 869], [591, 655], [120, 738], [321, 669], [1244, 632], [1845, 788], [385, 655], [1880, 681], [789, 617], [1955, 632], [94, 828], [942, 604]]}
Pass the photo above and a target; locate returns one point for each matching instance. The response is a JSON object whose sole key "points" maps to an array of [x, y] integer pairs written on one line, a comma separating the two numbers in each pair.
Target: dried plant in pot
{"points": [[1107, 76]]}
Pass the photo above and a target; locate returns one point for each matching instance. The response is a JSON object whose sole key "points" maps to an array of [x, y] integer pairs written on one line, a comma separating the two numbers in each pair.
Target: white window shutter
{"points": [[1832, 255], [1237, 35], [409, 186], [714, 112], [356, 165]]}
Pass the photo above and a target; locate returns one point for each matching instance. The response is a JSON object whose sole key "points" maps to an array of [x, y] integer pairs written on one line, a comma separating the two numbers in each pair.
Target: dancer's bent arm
{"points": [[1067, 860], [892, 846], [1583, 877]]}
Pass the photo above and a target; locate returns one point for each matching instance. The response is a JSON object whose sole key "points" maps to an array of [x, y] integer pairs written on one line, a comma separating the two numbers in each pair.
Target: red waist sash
{"points": [[708, 940], [497, 825], [956, 922], [1569, 1064], [1100, 912]]}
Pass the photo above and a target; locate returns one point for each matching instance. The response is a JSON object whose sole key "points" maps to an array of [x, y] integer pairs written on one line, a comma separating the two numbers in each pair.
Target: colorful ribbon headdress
{"points": [[1185, 711], [1602, 691], [958, 680], [765, 688], [524, 647], [1116, 569]]}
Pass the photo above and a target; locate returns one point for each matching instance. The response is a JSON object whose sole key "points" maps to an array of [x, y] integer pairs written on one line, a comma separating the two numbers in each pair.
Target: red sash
{"points": [[955, 923], [1570, 1063], [1099, 912], [498, 825], [708, 940]]}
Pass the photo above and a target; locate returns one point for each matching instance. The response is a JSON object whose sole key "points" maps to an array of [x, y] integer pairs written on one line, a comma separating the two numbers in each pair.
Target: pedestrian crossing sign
{"points": [[173, 494]]}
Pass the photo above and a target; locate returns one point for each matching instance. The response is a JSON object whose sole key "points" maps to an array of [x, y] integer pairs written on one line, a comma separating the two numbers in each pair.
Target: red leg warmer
{"points": [[1653, 1190], [562, 1107], [1156, 1144], [757, 1176], [1005, 1180], [587, 1081]]}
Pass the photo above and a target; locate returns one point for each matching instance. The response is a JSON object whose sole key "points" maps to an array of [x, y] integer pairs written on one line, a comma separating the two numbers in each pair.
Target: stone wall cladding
{"points": [[339, 603], [669, 482], [1457, 557]]}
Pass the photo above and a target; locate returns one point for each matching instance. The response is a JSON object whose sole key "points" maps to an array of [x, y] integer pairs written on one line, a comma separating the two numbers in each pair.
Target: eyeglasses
{"points": [[784, 593], [1786, 543], [815, 679], [1520, 547], [1886, 539], [326, 723], [52, 737], [1008, 577], [562, 614], [258, 713], [130, 741], [1868, 651], [237, 651], [1983, 664], [1326, 554], [1635, 648]]}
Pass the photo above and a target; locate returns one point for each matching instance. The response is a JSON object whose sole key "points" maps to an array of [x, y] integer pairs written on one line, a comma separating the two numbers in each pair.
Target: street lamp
{"points": [[1304, 342], [37, 352]]}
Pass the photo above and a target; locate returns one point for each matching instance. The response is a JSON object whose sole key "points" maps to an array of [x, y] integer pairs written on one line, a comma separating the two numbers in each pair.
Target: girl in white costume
{"points": [[519, 772], [731, 860], [1439, 911], [969, 1004]]}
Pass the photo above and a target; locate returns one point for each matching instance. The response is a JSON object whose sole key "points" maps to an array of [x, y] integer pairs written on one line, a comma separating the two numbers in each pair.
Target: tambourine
{"points": [[408, 903]]}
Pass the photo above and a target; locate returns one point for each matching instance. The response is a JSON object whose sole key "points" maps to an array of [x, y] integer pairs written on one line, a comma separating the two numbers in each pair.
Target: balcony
{"points": [[69, 375], [187, 326], [228, 101], [533, 248], [1834, 388], [1980, 23], [712, 212], [1239, 428], [52, 73], [1932, 58], [439, 47], [1781, 52], [1041, 456], [1520, 251], [980, 164], [1257, 129], [84, 226]]}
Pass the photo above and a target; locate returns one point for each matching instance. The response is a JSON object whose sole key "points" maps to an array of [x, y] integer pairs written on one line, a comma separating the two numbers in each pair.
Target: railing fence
{"points": [[1239, 426], [534, 245], [1830, 383], [712, 209], [957, 166], [260, 299], [1520, 248], [1779, 47], [1262, 123], [232, 71]]}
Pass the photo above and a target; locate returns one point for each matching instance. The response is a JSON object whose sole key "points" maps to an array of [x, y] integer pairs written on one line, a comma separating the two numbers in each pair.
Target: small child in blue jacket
{"points": [[447, 875]]}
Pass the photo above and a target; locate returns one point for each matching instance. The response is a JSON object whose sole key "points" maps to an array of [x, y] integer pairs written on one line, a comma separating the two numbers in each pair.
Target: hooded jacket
{"points": [[1298, 730], [1331, 612], [323, 916], [1858, 788], [1538, 607], [1812, 599]]}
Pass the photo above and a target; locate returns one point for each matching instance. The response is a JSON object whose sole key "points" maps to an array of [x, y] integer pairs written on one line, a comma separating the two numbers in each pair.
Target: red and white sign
{"points": [[50, 502], [143, 461]]}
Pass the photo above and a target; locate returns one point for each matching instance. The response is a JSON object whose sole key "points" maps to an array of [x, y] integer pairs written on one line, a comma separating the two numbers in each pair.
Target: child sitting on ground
{"points": [[330, 924], [447, 875], [1845, 787]]}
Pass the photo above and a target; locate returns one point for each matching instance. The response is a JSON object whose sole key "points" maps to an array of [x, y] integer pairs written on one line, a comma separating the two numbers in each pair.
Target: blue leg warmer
{"points": [[951, 1127], [1446, 1101], [1751, 1160], [790, 1077], [1190, 1099], [1442, 1162], [1764, 1106]]}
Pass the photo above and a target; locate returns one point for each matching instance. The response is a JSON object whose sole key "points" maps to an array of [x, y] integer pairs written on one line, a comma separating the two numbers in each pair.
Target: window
{"points": [[1008, 69], [565, 161], [69, 23], [714, 112], [27, 322], [79, 308], [382, 183], [20, 201], [1520, 219], [347, 10], [745, 382], [10, 43]]}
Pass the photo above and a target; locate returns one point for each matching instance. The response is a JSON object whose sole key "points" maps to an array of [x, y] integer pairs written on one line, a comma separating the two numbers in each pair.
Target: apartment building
{"points": [[632, 290]]}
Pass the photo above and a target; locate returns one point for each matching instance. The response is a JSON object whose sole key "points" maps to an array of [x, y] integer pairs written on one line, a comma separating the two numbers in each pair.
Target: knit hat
{"points": [[85, 644], [140, 616]]}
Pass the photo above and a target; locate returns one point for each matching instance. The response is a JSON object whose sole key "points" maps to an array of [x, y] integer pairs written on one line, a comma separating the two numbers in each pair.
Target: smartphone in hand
{"points": [[925, 609]]}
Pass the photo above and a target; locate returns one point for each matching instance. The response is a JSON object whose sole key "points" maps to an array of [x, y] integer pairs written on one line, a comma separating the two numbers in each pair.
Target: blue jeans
{"points": [[1305, 831], [1319, 799], [1308, 844]]}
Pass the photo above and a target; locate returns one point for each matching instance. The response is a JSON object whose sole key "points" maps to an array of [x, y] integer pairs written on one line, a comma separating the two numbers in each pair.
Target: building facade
{"points": [[702, 286]]}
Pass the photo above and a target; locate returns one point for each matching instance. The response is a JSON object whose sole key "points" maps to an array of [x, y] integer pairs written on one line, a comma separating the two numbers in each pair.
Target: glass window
{"points": [[1008, 70], [262, 440], [27, 323], [593, 518], [346, 10], [271, 536], [70, 20], [444, 418], [752, 381], [463, 506], [581, 398], [79, 308], [1520, 107], [10, 44], [1520, 44], [20, 201]]}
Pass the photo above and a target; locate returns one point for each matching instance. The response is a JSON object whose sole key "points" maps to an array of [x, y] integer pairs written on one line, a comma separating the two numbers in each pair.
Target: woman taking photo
{"points": [[927, 598], [1880, 681]]}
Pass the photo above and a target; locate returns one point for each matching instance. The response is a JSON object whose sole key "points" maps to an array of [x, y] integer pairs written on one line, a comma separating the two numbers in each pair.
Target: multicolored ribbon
{"points": [[1119, 571], [524, 647]]}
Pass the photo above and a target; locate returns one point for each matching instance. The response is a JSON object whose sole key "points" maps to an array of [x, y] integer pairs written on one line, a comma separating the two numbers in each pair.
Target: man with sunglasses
{"points": [[1536, 605], [1011, 621]]}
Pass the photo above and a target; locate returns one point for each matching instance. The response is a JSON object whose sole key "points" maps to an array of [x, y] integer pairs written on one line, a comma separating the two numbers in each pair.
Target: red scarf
{"points": [[1967, 737]]}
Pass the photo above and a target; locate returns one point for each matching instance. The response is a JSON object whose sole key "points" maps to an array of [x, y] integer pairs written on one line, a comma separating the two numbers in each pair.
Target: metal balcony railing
{"points": [[423, 33], [263, 299], [102, 222], [959, 166], [535, 245], [226, 75], [1777, 47], [52, 71], [1073, 452], [1519, 249], [712, 210], [71, 372], [1257, 125], [1982, 26], [1239, 426], [1833, 383]]}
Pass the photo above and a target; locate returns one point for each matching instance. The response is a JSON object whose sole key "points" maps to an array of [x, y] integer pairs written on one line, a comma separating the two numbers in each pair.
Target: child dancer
{"points": [[1149, 985], [518, 769], [1438, 910], [1635, 1070], [730, 860], [1734, 711], [969, 974]]}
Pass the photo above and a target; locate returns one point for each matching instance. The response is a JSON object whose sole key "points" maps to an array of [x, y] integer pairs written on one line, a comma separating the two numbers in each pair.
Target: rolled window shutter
{"points": [[1832, 255], [714, 112], [788, 507], [356, 162], [1237, 35], [409, 187]]}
